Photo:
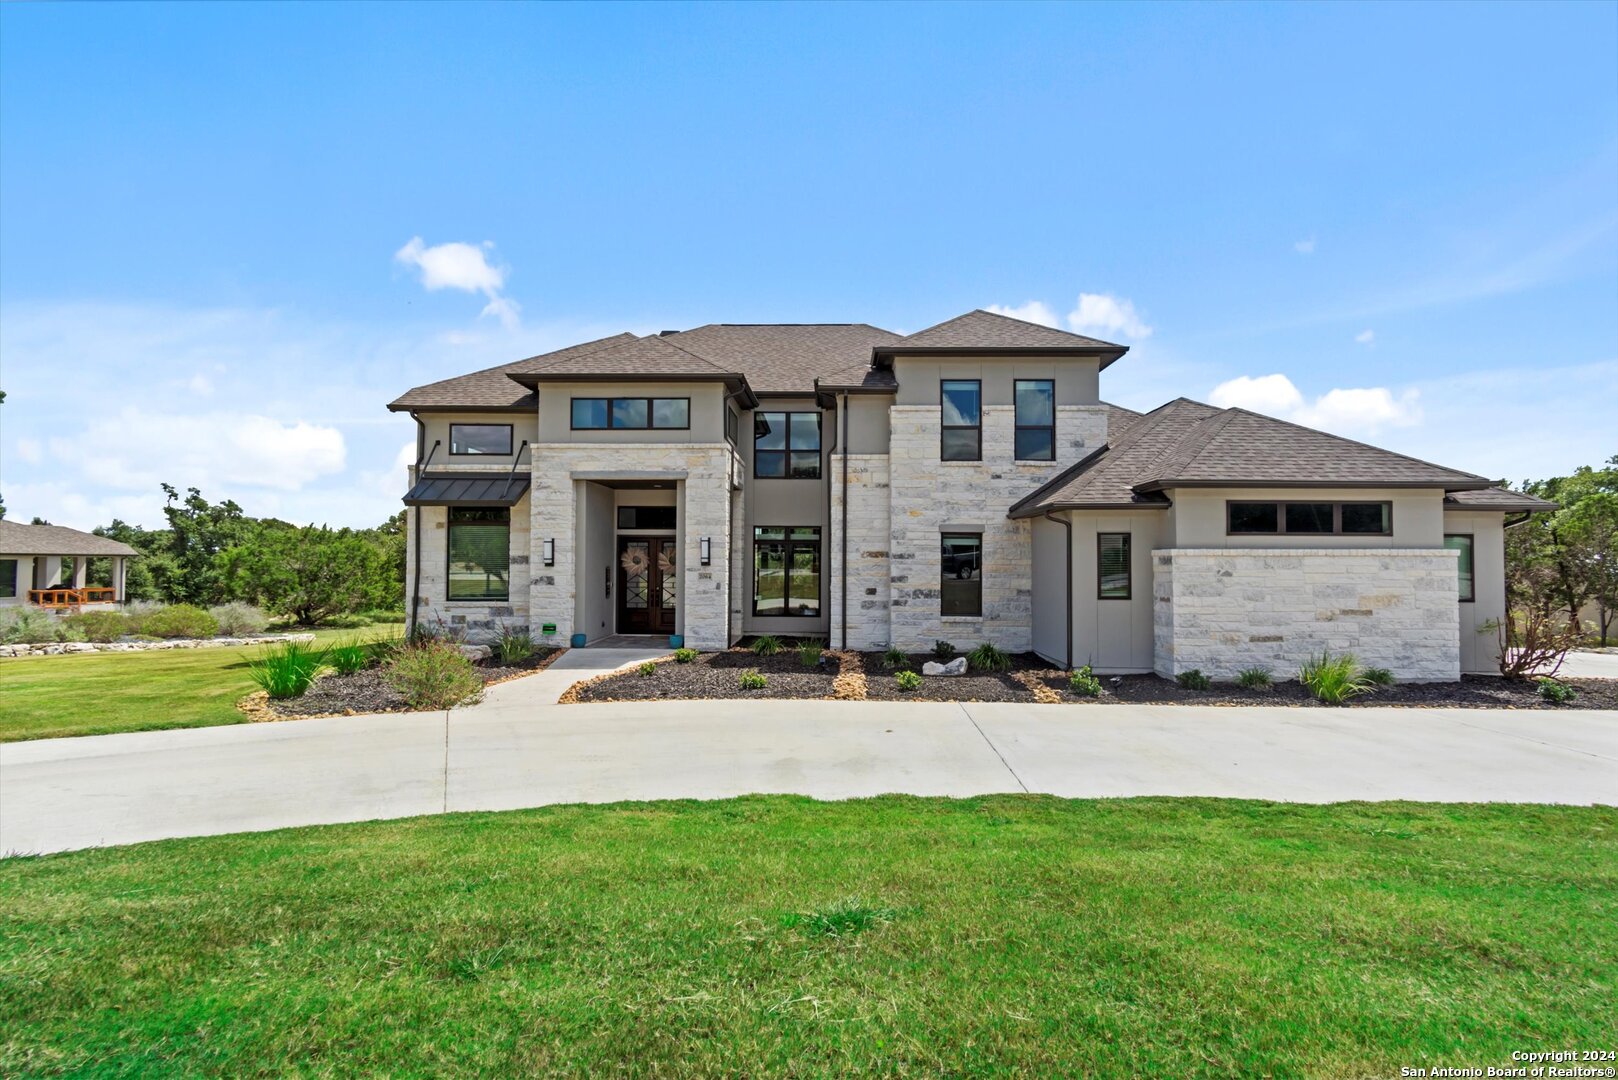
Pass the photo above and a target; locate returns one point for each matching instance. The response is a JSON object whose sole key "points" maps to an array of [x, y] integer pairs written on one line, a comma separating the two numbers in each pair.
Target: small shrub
{"points": [[1193, 680], [26, 626], [286, 670], [988, 657], [943, 650], [1559, 692], [343, 621], [1378, 676], [513, 644], [433, 675], [752, 680], [809, 650], [1084, 683], [1333, 679], [766, 645], [647, 668], [894, 657], [237, 619], [350, 655], [1254, 678], [685, 656], [908, 681], [99, 625], [180, 621]]}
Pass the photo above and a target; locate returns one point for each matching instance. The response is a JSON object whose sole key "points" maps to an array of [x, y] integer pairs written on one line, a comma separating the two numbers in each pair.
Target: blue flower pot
{"points": [[676, 641], [579, 640]]}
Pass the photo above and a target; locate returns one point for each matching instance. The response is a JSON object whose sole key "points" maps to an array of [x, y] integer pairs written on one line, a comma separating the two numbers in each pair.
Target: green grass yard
{"points": [[778, 936], [44, 697]]}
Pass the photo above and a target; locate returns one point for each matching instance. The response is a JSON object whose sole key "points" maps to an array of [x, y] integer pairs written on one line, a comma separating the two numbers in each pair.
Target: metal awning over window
{"points": [[443, 489]]}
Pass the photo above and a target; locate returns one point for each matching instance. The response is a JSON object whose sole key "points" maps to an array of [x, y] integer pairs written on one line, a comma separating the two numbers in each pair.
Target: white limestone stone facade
{"points": [[869, 533], [1223, 610], [929, 497], [478, 620]]}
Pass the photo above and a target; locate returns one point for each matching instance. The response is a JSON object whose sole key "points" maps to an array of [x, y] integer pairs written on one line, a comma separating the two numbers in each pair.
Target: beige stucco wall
{"points": [[597, 527], [1077, 378], [1480, 646], [707, 412], [868, 423], [785, 502], [437, 426], [1114, 636], [1199, 517]]}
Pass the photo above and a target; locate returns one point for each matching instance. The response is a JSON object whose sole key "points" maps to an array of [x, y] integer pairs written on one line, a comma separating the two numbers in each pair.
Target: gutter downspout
{"points": [[843, 445], [1067, 618]]}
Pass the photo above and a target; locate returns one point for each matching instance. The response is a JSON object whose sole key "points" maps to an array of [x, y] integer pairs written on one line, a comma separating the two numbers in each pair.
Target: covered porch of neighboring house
{"points": [[61, 569]]}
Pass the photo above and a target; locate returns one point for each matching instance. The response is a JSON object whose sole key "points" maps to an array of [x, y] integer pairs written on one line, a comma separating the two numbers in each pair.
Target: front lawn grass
{"points": [[1012, 935], [44, 697]]}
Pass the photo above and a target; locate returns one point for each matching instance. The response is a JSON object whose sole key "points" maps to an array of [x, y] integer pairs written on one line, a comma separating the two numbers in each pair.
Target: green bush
{"points": [[1254, 678], [383, 615], [647, 668], [1193, 680], [685, 656], [809, 650], [99, 625], [286, 670], [350, 655], [26, 626], [1378, 676], [894, 657], [514, 644], [752, 680], [988, 657], [1084, 683], [766, 645], [1559, 692], [180, 621], [237, 619], [943, 650], [1333, 679], [908, 681], [433, 675]]}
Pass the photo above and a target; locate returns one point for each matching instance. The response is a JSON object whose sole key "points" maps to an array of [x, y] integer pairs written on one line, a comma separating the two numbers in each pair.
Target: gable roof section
{"points": [[19, 539], [1496, 498], [640, 359], [985, 332], [491, 388], [781, 358]]}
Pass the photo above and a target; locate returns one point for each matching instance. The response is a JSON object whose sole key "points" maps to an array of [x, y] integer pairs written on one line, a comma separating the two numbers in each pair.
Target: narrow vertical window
{"points": [[1462, 542], [961, 420], [1036, 419], [479, 553], [960, 587], [8, 578], [1112, 566]]}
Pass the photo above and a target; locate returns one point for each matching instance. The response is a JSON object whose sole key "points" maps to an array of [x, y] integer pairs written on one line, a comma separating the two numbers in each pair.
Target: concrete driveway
{"points": [[59, 794], [1588, 664]]}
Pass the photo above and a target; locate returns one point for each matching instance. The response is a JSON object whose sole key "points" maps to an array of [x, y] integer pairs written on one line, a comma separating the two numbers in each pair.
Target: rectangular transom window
{"points": [[1035, 437], [1112, 566], [786, 571], [960, 586], [1309, 518], [1462, 542], [786, 445], [480, 438], [646, 517], [960, 430], [479, 553], [631, 414]]}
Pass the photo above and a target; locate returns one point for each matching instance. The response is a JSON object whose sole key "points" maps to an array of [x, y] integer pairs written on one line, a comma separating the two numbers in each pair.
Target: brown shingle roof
{"points": [[986, 330], [782, 358], [19, 539], [1495, 498], [641, 356], [492, 388]]}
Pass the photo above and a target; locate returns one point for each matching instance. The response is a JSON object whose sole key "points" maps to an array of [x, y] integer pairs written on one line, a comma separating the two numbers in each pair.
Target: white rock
{"points": [[956, 666], [475, 653]]}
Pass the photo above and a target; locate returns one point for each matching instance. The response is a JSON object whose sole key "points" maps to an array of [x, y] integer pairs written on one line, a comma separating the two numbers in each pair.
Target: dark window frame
{"points": [[1281, 516], [942, 576], [733, 425], [1471, 570], [1017, 424], [651, 413], [1129, 568], [788, 544], [976, 428], [634, 513], [449, 554], [8, 582], [786, 452], [510, 435]]}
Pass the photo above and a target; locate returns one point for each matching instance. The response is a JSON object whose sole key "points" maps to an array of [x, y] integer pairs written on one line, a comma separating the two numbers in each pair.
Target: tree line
{"points": [[1560, 564]]}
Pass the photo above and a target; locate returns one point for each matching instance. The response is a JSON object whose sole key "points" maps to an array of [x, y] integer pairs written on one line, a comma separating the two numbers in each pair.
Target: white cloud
{"points": [[1356, 412], [465, 267], [1035, 311], [1366, 337], [1103, 313], [1306, 246], [504, 309]]}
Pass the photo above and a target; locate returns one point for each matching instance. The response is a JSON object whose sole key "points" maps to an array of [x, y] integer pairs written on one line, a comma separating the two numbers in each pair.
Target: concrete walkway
{"points": [[59, 794], [573, 666]]}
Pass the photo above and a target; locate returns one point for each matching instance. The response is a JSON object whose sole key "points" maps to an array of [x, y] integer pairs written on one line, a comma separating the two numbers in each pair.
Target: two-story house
{"points": [[964, 483]]}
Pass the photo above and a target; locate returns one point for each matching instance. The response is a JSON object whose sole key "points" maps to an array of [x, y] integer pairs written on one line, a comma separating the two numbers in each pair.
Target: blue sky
{"points": [[1396, 221]]}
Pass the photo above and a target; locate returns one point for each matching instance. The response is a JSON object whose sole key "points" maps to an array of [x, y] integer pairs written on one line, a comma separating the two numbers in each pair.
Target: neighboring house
{"points": [[48, 566], [964, 483]]}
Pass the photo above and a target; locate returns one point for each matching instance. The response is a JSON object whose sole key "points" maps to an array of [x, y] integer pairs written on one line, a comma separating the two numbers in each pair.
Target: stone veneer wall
{"points": [[929, 495], [869, 529], [709, 470], [479, 620], [1222, 610]]}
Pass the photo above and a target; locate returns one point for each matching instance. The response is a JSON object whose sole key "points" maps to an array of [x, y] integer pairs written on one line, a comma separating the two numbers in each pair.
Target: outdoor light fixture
{"points": [[705, 550], [548, 552]]}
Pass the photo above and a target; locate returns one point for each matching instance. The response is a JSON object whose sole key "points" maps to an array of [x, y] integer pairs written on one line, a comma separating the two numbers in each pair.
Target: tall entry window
{"points": [[961, 420], [1462, 542], [786, 571], [1036, 419], [960, 588], [786, 445], [479, 553]]}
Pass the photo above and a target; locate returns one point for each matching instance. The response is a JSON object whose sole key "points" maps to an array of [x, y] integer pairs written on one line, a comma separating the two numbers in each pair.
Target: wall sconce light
{"points": [[548, 552], [705, 550]]}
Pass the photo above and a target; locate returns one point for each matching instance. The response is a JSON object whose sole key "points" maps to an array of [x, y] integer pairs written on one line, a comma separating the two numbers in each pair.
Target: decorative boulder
{"points": [[475, 653], [956, 666]]}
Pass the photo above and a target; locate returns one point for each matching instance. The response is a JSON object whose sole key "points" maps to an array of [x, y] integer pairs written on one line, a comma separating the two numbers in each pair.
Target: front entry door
{"points": [[648, 580]]}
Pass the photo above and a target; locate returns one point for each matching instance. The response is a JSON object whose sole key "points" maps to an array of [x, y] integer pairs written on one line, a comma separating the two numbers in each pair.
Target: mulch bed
{"points": [[1472, 692], [368, 691], [882, 684], [715, 675]]}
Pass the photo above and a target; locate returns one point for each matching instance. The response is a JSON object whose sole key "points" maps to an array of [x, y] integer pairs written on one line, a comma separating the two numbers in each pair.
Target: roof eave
{"points": [[735, 380], [1107, 355], [1040, 510], [1150, 486]]}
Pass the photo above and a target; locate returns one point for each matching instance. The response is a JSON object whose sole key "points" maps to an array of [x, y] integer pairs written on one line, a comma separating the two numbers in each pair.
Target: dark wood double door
{"points": [[648, 584]]}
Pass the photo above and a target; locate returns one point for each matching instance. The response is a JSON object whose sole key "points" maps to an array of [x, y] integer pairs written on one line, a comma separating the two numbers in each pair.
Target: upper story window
{"points": [[597, 414], [961, 420], [1036, 419], [786, 445], [1309, 518], [480, 438]]}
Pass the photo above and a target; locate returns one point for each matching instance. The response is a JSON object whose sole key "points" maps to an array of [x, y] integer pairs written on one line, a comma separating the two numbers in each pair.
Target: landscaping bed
{"points": [[718, 675], [882, 682], [1472, 692], [368, 691]]}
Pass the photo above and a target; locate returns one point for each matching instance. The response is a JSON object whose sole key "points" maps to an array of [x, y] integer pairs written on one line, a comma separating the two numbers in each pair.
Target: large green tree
{"points": [[310, 573]]}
